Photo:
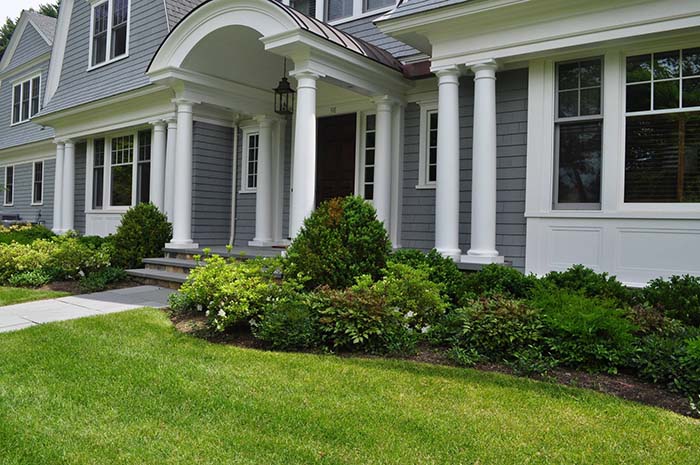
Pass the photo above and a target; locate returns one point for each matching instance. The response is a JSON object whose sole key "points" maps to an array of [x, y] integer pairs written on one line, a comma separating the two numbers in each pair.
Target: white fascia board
{"points": [[58, 50], [14, 42], [12, 72], [26, 153]]}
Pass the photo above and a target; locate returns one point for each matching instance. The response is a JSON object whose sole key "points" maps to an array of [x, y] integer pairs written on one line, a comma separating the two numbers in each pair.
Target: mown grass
{"points": [[17, 295], [128, 389]]}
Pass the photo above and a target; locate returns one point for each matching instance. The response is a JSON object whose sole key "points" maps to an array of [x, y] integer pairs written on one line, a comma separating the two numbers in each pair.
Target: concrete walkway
{"points": [[20, 316]]}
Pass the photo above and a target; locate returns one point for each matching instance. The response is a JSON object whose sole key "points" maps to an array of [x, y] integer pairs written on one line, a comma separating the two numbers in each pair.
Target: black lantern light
{"points": [[284, 95]]}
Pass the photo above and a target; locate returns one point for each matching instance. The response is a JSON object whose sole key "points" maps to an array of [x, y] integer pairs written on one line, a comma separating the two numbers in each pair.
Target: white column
{"points": [[447, 181], [382, 162], [68, 201], [170, 170], [263, 196], [58, 190], [304, 175], [483, 237], [182, 217], [158, 147]]}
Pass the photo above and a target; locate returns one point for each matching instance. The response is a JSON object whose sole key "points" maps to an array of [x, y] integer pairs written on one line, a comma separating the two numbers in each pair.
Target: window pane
{"points": [[667, 65], [143, 194], [666, 95], [691, 62], [590, 73], [118, 41], [661, 158], [308, 7], [370, 139], [336, 9], [590, 102], [371, 122], [145, 146], [432, 173], [36, 91], [25, 100], [369, 191], [98, 174], [9, 184], [375, 4], [99, 41], [369, 157], [120, 14], [639, 97], [38, 192], [121, 185], [691, 92], [17, 104], [252, 181], [580, 146], [568, 76], [568, 104], [639, 68]]}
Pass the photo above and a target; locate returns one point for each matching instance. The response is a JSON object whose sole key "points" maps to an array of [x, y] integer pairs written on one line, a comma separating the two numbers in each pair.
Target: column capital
{"points": [[447, 72], [60, 143], [183, 103], [305, 74], [172, 122], [158, 125], [68, 143], [484, 69]]}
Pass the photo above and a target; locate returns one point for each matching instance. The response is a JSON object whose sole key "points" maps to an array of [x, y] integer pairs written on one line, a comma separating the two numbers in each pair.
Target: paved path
{"points": [[19, 316]]}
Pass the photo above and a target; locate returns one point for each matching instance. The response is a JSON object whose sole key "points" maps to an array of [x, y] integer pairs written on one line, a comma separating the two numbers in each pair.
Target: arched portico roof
{"points": [[269, 17]]}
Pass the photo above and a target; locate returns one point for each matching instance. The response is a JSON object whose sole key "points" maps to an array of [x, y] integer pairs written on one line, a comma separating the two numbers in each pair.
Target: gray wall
{"points": [[23, 193], [418, 222], [78, 86], [211, 189], [30, 46]]}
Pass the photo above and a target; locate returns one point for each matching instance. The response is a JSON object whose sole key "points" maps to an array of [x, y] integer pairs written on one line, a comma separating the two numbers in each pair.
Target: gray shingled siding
{"points": [[31, 45], [78, 85], [22, 204], [24, 133], [79, 211], [211, 189], [365, 29], [418, 222]]}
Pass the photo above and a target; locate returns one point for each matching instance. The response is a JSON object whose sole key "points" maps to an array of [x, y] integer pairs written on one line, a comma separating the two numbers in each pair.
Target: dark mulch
{"points": [[72, 286], [621, 385]]}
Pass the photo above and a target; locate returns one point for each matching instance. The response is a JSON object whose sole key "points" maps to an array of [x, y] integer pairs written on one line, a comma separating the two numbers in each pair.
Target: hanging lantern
{"points": [[284, 95]]}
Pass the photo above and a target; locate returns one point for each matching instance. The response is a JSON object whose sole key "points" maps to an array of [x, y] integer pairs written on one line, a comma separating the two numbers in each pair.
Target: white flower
{"points": [[425, 329], [410, 314], [222, 313], [206, 313], [199, 307]]}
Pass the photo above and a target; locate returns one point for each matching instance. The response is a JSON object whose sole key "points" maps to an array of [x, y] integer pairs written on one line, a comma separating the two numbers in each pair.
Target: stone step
{"points": [[173, 265], [161, 278]]}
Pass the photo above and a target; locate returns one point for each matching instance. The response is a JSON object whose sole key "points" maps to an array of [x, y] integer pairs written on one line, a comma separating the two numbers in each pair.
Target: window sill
{"points": [[247, 191], [108, 211], [616, 215], [20, 123], [425, 187], [106, 63], [8, 204], [37, 204]]}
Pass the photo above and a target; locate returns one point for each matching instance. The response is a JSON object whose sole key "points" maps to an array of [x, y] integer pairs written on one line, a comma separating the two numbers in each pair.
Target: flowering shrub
{"points": [[24, 233]]}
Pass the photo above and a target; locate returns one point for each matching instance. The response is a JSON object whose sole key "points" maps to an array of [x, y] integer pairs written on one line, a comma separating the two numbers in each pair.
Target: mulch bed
{"points": [[621, 385], [72, 286]]}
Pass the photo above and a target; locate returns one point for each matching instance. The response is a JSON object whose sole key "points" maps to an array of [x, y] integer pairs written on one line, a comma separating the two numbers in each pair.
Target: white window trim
{"points": [[4, 185], [426, 108], [358, 12], [541, 149], [19, 83], [247, 132], [360, 159], [108, 61], [43, 179]]}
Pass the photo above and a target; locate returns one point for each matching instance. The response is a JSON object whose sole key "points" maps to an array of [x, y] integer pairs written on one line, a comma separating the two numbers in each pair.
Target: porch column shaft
{"points": [[170, 170], [158, 145], [483, 222], [182, 218], [263, 197], [382, 163], [68, 187], [304, 176], [58, 189], [447, 182]]}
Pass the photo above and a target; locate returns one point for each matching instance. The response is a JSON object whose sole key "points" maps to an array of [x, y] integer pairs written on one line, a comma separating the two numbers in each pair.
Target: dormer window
{"points": [[25, 100], [110, 27]]}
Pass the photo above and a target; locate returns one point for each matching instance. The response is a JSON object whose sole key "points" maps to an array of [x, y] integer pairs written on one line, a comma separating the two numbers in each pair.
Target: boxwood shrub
{"points": [[143, 232]]}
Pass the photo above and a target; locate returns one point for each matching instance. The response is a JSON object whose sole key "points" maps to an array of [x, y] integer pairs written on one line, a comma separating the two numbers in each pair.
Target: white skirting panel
{"points": [[102, 224], [634, 250]]}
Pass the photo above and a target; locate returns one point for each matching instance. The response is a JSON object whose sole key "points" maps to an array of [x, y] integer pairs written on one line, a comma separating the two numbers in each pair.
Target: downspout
{"points": [[234, 190]]}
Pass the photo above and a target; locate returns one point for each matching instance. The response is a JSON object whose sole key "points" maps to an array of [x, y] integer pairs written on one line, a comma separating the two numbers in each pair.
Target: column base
{"points": [[58, 231], [186, 244], [483, 259], [454, 254], [268, 243]]}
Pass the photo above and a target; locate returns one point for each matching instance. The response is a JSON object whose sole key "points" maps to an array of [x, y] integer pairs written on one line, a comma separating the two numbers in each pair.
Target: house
{"points": [[539, 133]]}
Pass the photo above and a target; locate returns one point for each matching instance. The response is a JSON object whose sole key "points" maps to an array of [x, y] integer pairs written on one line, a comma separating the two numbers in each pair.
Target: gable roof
{"points": [[44, 26]]}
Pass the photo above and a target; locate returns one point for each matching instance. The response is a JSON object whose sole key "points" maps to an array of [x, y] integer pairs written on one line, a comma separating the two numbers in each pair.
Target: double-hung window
{"points": [[578, 135], [662, 134], [25, 99], [9, 194], [110, 30], [121, 170], [370, 145], [250, 161], [38, 183]]}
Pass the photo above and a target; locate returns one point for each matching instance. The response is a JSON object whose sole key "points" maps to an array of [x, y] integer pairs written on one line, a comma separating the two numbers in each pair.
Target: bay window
{"points": [[110, 27], [121, 170], [662, 134], [578, 135]]}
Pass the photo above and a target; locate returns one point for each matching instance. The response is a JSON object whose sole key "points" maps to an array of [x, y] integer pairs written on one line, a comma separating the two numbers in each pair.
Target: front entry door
{"points": [[335, 157]]}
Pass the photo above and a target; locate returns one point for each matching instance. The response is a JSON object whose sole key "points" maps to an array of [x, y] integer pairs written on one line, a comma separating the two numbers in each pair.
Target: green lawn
{"points": [[17, 295], [127, 388]]}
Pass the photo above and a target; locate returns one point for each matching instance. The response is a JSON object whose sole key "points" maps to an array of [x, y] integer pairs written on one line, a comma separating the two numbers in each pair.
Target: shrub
{"points": [[341, 240], [589, 283], [531, 361], [100, 280], [585, 332], [24, 233], [678, 297], [34, 278], [500, 279], [464, 357], [441, 270], [71, 259], [412, 293], [143, 232], [359, 318], [496, 327], [289, 323], [689, 380]]}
